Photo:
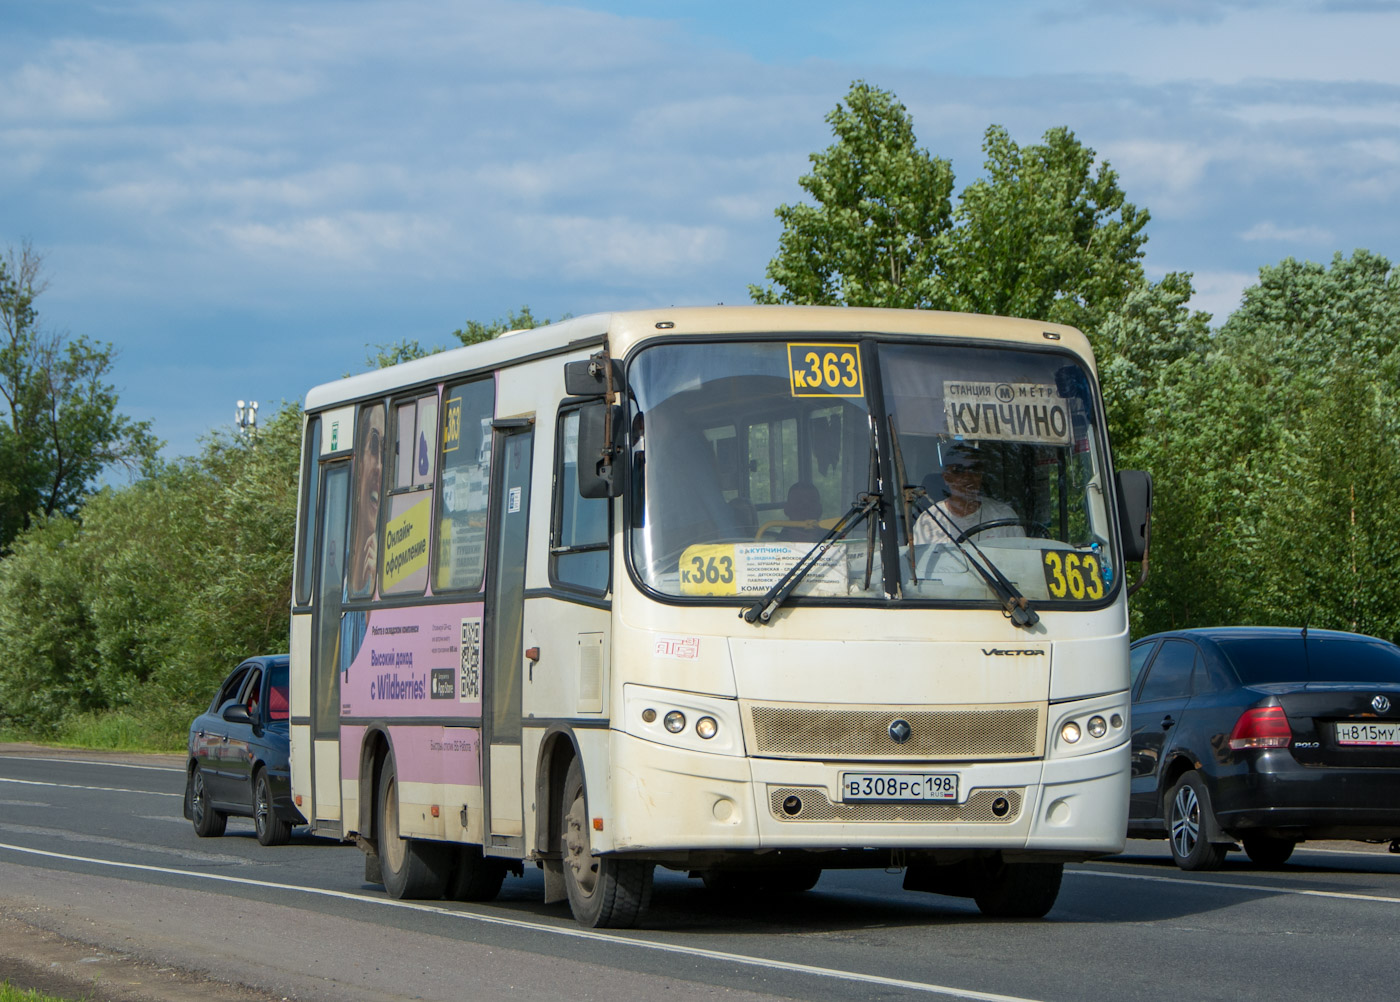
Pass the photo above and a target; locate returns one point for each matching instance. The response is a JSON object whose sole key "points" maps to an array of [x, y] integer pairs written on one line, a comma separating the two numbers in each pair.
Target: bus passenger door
{"points": [[325, 653], [504, 654]]}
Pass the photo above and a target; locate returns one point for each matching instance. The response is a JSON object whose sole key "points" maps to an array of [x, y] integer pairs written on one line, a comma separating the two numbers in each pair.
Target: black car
{"points": [[240, 755], [1266, 737]]}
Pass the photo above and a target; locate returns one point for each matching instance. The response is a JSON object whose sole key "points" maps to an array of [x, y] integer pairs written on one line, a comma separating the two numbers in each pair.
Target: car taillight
{"points": [[1261, 727]]}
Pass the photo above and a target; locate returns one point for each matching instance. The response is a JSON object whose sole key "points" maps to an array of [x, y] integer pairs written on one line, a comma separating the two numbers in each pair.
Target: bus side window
{"points": [[404, 533], [580, 527], [311, 480], [464, 472]]}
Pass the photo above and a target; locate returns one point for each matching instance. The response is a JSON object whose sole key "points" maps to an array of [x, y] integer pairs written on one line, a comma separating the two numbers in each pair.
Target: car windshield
{"points": [[1263, 660], [745, 454]]}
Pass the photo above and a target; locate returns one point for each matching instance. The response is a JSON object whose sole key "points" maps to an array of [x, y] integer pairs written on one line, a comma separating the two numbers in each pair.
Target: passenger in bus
{"points": [[804, 504], [369, 466], [965, 506]]}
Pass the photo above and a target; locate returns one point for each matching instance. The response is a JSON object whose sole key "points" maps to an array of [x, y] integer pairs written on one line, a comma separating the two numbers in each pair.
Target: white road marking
{"points": [[192, 855], [79, 761], [565, 931], [1231, 885], [75, 786]]}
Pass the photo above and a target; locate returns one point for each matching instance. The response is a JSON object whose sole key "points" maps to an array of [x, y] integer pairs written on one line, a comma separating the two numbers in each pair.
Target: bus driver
{"points": [[965, 507]]}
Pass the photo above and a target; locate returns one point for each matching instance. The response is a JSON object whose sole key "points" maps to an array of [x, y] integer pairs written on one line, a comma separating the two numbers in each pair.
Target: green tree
{"points": [[1045, 235], [159, 589], [876, 234], [59, 423], [1276, 456], [474, 332]]}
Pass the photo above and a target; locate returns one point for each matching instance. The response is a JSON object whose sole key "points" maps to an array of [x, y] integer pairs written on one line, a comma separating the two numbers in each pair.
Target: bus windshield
{"points": [[745, 454]]}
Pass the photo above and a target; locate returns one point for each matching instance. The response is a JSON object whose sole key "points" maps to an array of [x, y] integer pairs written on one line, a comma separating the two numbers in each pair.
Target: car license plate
{"points": [[1355, 732], [900, 787]]}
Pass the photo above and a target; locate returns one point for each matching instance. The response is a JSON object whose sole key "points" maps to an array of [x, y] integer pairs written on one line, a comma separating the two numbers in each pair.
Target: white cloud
{"points": [[1268, 231], [1219, 292]]}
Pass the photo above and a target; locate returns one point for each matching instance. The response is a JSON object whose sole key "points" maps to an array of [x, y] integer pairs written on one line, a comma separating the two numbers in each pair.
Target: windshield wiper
{"points": [[763, 609], [1015, 605]]}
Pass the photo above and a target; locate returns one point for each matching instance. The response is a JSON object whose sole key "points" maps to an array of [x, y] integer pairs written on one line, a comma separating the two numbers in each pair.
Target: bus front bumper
{"points": [[668, 799]]}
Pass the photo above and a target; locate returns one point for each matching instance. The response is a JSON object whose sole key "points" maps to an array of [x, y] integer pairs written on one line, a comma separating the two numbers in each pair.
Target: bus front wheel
{"points": [[1018, 890], [605, 892], [411, 868]]}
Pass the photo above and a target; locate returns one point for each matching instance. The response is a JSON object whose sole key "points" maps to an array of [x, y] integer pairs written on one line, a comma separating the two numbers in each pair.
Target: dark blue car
{"points": [[240, 755], [1264, 737]]}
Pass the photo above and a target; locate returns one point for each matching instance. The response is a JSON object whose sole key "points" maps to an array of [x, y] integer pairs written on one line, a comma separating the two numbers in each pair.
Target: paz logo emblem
{"points": [[1381, 704], [900, 731]]}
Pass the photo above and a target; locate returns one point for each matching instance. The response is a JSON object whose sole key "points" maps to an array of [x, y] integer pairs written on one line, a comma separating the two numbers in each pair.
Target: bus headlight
{"points": [[675, 721], [1098, 727], [1070, 732], [707, 727]]}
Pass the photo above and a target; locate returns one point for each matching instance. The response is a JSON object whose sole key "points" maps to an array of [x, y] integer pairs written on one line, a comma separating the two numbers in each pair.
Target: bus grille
{"points": [[962, 733], [816, 807]]}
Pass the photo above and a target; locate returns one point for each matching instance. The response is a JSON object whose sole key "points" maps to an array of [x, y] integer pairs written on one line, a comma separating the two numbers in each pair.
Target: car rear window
{"points": [[1284, 659], [277, 692]]}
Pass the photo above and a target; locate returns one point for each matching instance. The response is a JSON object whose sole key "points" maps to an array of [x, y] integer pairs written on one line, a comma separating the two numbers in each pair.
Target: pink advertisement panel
{"points": [[423, 661], [422, 753]]}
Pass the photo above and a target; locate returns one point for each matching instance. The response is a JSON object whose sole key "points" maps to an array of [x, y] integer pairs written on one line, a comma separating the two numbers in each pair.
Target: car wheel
{"points": [[1018, 890], [604, 892], [1188, 824], [208, 823], [476, 878], [271, 829], [1268, 851], [411, 868]]}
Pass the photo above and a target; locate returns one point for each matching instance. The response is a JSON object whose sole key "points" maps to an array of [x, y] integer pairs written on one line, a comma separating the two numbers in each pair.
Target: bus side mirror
{"points": [[1135, 510], [599, 447], [589, 377]]}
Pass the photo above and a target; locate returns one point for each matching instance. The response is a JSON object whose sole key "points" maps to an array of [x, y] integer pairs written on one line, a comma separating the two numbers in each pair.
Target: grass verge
{"points": [[9, 993]]}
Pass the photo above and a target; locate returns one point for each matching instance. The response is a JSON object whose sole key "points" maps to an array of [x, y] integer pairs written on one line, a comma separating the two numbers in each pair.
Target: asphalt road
{"points": [[96, 851]]}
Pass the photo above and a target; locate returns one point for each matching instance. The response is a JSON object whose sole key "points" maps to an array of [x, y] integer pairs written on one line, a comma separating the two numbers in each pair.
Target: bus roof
{"points": [[625, 329]]}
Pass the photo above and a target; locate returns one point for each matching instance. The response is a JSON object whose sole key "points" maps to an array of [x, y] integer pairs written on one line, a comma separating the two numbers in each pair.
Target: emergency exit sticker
{"points": [[825, 370]]}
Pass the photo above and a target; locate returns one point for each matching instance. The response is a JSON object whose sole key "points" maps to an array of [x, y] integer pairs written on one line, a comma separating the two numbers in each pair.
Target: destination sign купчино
{"points": [[1006, 412]]}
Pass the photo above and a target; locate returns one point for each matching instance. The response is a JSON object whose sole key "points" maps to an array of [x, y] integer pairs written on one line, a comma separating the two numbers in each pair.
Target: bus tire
{"points": [[475, 877], [271, 829], [412, 868], [605, 892], [208, 823], [1018, 890], [775, 880]]}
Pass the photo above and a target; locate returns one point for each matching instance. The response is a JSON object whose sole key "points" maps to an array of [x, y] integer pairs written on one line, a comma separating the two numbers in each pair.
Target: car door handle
{"points": [[1168, 722]]}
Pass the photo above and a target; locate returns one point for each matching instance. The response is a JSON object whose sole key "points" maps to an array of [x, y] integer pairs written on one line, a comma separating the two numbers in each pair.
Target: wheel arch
{"points": [[557, 749], [375, 747], [1179, 766]]}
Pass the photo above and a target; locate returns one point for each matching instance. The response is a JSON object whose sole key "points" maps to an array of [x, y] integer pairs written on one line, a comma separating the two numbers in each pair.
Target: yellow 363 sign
{"points": [[1074, 575], [825, 370]]}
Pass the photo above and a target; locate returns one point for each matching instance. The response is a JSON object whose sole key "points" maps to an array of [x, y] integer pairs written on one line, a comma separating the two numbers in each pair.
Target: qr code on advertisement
{"points": [[470, 687]]}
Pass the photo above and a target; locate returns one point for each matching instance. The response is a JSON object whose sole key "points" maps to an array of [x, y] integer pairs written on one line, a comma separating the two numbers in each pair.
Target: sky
{"points": [[243, 197]]}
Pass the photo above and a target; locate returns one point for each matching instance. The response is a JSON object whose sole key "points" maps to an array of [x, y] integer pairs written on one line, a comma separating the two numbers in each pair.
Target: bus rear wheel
{"points": [[476, 878], [412, 868], [604, 892]]}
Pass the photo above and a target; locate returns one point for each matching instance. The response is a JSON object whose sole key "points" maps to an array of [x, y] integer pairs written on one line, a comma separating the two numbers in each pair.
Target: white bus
{"points": [[744, 592]]}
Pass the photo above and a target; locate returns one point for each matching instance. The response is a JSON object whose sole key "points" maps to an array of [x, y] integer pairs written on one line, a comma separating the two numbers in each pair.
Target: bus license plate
{"points": [[1357, 733], [900, 787]]}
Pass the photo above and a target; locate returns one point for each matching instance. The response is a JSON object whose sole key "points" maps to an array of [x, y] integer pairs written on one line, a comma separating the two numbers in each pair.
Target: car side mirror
{"points": [[237, 713], [599, 447]]}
